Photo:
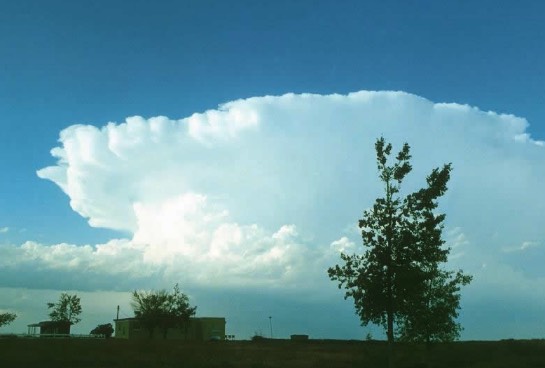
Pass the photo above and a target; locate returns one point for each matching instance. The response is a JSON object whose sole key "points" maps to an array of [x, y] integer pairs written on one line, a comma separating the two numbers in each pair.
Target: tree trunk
{"points": [[390, 278], [390, 334], [427, 353]]}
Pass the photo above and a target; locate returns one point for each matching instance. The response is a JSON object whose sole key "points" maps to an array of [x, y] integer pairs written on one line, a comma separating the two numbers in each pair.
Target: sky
{"points": [[228, 146]]}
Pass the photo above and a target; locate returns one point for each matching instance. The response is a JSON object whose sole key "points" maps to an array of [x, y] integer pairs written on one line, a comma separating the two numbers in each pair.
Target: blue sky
{"points": [[97, 62]]}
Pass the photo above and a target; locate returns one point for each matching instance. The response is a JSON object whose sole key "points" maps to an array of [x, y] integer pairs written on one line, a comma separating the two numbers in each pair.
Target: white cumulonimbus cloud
{"points": [[267, 190]]}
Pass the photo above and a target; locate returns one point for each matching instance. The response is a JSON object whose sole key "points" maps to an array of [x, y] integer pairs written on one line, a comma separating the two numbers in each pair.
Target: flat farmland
{"points": [[23, 352]]}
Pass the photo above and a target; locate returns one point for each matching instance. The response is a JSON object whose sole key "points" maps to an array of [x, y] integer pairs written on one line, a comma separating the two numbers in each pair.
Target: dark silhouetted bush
{"points": [[107, 330]]}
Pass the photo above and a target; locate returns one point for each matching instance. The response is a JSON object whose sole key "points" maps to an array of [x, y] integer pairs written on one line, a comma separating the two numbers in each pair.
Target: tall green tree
{"points": [[67, 309], [7, 318], [431, 313], [403, 250], [162, 310]]}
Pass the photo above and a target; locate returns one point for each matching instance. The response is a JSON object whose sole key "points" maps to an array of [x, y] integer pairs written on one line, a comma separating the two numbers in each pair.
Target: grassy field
{"points": [[21, 352]]}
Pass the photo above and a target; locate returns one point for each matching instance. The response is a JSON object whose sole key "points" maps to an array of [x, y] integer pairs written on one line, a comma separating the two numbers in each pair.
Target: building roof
{"points": [[49, 323], [126, 319], [136, 319]]}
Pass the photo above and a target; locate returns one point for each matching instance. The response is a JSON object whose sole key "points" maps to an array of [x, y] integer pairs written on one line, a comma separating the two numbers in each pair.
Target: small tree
{"points": [[161, 309], [67, 309], [7, 318], [433, 317], [107, 330], [398, 275], [431, 314]]}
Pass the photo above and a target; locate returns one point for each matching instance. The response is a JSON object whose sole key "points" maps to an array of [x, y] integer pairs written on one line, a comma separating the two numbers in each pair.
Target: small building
{"points": [[198, 329], [50, 328], [299, 337]]}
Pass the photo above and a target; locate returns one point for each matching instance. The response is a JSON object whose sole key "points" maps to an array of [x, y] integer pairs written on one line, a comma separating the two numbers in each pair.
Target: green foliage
{"points": [[397, 280], [258, 337], [433, 317], [67, 309], [7, 318], [431, 313], [161, 309], [106, 329]]}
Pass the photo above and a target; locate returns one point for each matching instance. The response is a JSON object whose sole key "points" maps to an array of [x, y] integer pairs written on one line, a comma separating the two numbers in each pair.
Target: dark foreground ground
{"points": [[21, 352]]}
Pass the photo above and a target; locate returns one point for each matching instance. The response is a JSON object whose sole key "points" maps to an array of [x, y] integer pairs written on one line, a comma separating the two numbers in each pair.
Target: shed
{"points": [[199, 329], [50, 328]]}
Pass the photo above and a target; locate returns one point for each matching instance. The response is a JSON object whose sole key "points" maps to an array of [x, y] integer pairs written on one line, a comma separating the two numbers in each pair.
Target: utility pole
{"points": [[270, 324]]}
